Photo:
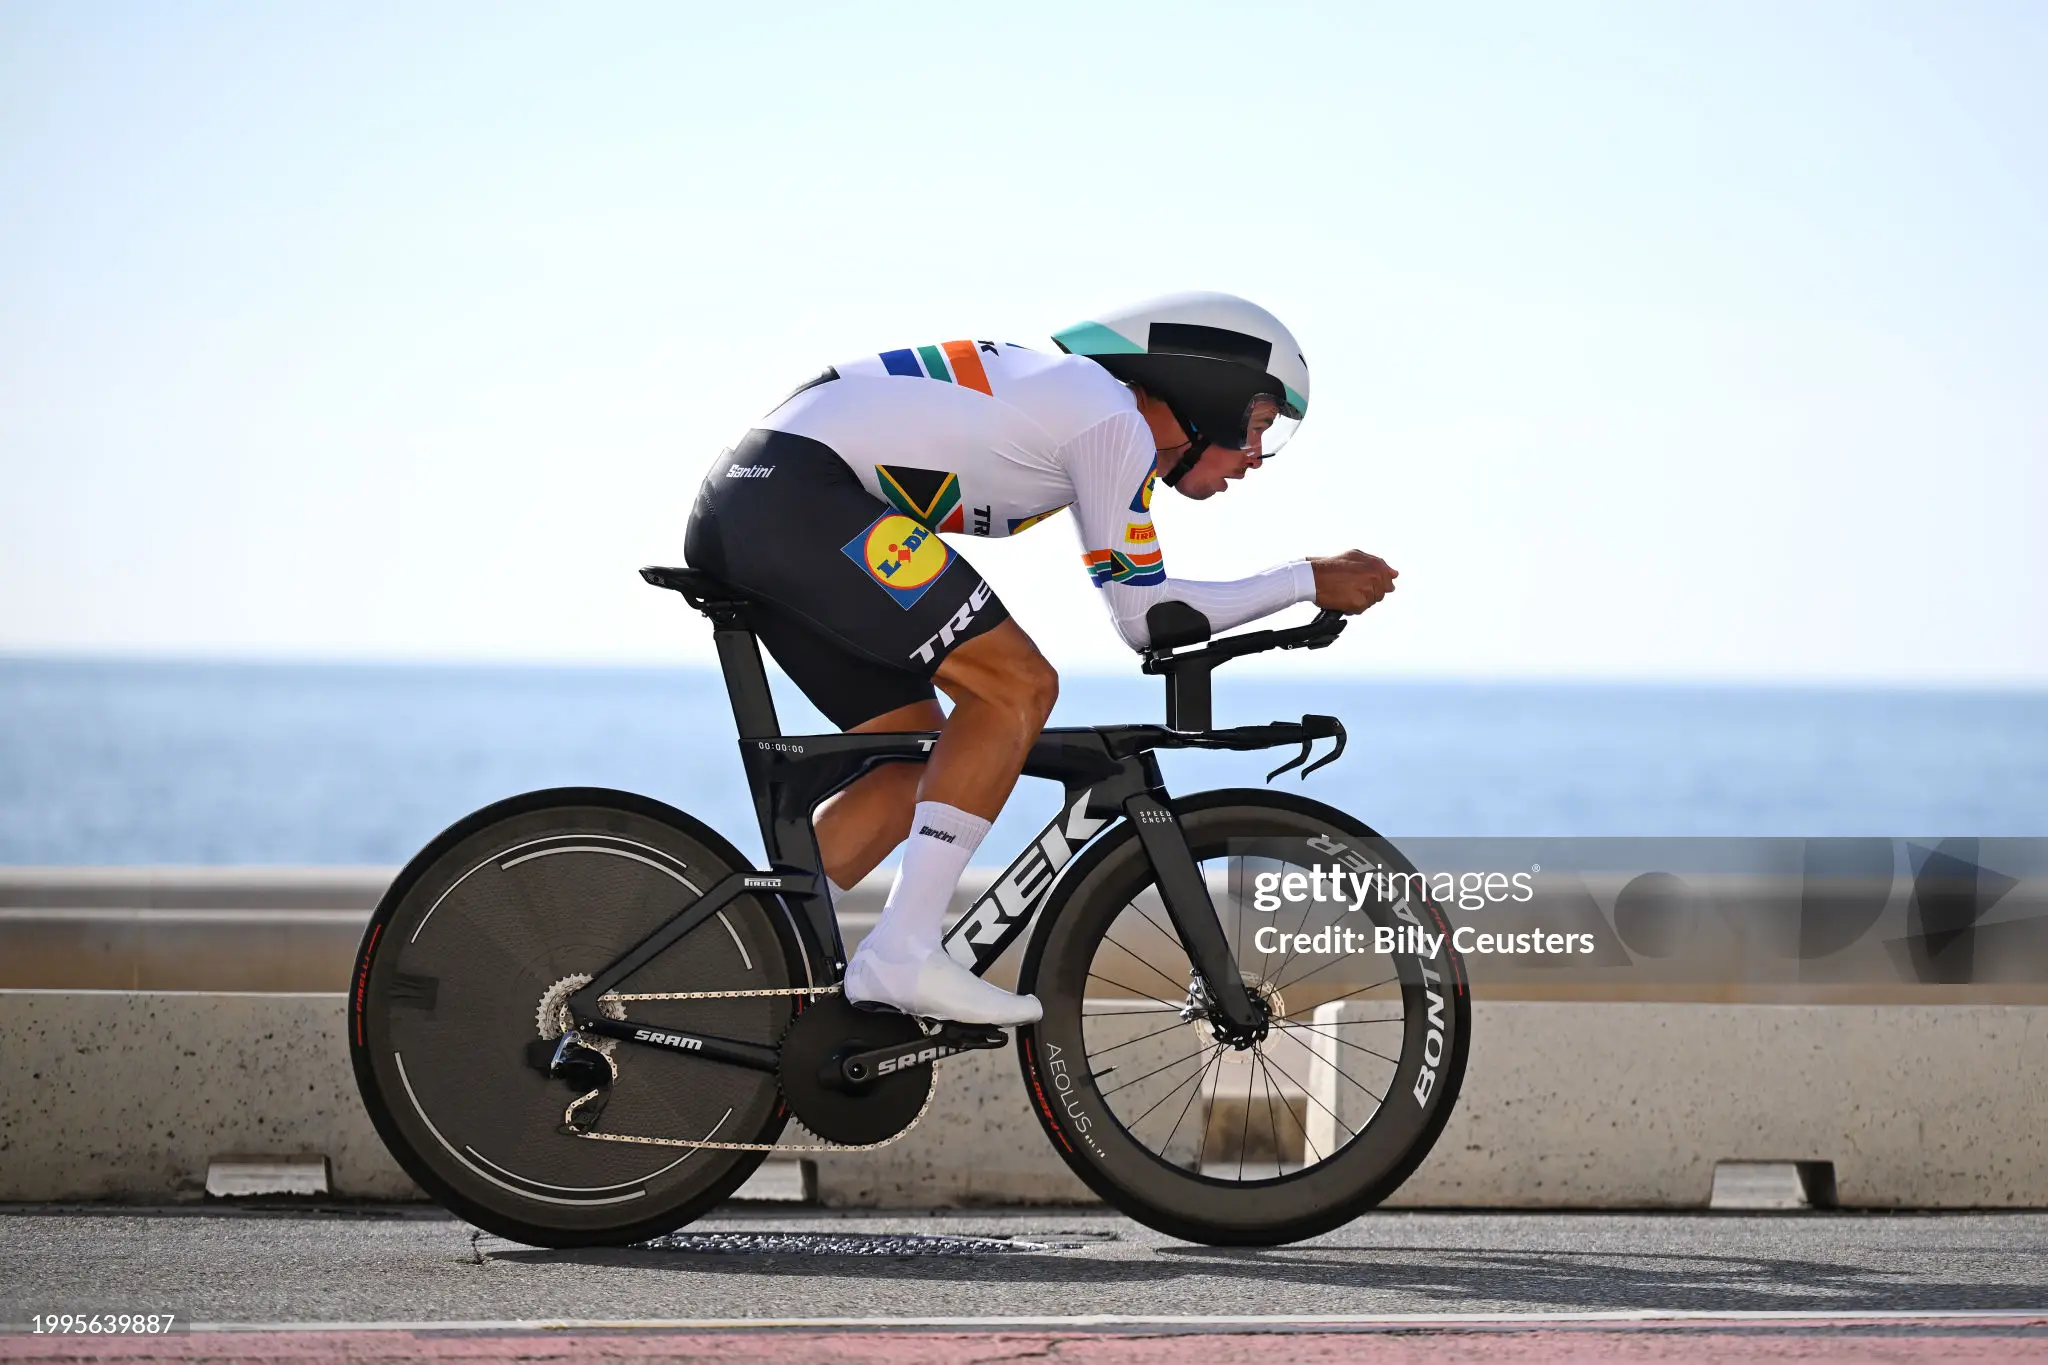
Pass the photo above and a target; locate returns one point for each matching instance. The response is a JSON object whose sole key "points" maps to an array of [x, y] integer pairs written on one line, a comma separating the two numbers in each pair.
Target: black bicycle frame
{"points": [[1106, 773]]}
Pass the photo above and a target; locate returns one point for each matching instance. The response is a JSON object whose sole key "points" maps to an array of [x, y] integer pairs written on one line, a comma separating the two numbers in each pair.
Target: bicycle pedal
{"points": [[969, 1036]]}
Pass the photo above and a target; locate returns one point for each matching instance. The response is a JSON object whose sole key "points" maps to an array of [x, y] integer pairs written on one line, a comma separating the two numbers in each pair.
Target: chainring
{"points": [[827, 1029]]}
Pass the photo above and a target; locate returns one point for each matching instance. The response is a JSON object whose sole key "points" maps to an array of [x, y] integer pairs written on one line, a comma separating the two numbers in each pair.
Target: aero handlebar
{"points": [[1185, 661]]}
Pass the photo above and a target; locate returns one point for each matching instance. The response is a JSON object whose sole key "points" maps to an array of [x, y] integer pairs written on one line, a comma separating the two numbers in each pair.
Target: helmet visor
{"points": [[1267, 427]]}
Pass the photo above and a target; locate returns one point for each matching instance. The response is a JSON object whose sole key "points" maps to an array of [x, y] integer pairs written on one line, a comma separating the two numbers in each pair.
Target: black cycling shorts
{"points": [[857, 602]]}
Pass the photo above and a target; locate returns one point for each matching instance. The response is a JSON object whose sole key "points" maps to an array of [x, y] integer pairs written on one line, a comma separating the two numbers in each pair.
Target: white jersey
{"points": [[983, 438]]}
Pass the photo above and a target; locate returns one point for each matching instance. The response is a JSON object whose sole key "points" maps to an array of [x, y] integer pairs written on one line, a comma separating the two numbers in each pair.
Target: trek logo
{"points": [[674, 1040], [938, 644], [750, 471], [991, 922], [938, 834]]}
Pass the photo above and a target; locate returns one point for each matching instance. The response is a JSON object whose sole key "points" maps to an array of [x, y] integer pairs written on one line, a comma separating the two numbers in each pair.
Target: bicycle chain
{"points": [[569, 1114]]}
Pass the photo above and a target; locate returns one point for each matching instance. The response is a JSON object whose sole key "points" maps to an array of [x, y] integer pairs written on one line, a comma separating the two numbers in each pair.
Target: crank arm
{"points": [[950, 1040]]}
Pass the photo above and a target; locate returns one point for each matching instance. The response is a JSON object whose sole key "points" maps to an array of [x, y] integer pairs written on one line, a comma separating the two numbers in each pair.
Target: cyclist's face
{"points": [[1219, 466], [1217, 470]]}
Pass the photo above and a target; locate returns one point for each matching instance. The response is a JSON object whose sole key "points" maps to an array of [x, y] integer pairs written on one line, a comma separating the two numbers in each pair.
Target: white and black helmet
{"points": [[1225, 367]]}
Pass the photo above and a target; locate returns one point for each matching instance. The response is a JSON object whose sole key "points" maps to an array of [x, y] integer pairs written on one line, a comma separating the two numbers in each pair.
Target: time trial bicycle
{"points": [[580, 1016]]}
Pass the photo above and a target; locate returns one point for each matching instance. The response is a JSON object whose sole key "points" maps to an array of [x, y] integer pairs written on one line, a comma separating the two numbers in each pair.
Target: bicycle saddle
{"points": [[713, 596], [694, 581]]}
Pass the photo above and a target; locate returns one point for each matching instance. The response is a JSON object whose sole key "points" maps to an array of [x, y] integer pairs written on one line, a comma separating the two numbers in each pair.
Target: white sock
{"points": [[942, 840]]}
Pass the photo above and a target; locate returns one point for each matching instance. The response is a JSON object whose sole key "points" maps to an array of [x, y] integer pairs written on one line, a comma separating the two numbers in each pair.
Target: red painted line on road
{"points": [[1812, 1341]]}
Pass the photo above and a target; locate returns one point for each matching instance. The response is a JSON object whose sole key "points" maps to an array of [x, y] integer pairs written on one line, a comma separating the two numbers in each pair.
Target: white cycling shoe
{"points": [[936, 987]]}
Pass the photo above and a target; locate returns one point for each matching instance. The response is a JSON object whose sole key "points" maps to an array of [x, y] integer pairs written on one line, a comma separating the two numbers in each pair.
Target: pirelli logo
{"points": [[1140, 532]]}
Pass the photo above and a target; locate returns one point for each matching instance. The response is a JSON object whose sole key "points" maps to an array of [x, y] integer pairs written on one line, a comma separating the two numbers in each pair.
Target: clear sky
{"points": [[1649, 340]]}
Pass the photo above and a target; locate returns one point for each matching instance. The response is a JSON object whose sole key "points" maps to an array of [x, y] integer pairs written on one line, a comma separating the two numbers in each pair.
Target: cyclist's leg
{"points": [[783, 518], [1002, 690], [859, 826]]}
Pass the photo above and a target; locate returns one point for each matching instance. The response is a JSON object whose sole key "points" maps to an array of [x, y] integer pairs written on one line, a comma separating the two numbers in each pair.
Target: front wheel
{"points": [[1367, 1019]]}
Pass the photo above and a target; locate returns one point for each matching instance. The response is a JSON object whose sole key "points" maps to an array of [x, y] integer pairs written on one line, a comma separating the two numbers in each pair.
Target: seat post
{"points": [[739, 652], [746, 679]]}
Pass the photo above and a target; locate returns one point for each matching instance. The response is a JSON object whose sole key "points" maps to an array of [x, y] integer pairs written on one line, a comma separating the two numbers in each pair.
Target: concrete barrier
{"points": [[130, 1094], [1770, 931], [279, 929], [116, 1095]]}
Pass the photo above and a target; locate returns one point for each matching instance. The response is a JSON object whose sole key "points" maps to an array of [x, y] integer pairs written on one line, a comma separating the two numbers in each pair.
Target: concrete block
{"points": [[1632, 1106], [132, 1095], [249, 1177]]}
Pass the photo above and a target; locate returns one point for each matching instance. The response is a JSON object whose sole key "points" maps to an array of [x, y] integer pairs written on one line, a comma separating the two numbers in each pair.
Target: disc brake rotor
{"points": [[828, 1030]]}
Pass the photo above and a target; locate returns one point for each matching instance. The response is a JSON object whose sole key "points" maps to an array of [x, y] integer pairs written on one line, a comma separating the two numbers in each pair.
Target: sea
{"points": [[154, 762]]}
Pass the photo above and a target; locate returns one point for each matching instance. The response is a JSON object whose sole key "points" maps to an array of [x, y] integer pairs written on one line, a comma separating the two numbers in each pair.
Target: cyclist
{"points": [[831, 513]]}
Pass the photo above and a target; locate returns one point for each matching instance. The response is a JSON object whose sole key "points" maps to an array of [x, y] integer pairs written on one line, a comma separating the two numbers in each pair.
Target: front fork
{"points": [[1193, 914]]}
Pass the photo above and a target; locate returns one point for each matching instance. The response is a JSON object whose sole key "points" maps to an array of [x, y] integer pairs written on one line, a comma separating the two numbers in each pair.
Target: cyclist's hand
{"points": [[1352, 581]]}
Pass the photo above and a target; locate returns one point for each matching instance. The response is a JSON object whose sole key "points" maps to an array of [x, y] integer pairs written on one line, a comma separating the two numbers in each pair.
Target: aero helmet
{"points": [[1224, 366]]}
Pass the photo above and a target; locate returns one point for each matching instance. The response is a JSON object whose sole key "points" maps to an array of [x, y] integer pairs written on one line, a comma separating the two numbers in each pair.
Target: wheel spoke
{"points": [[1245, 1131], [1133, 1124], [1139, 1039], [1153, 1072], [1135, 992], [1111, 940], [1360, 991], [1317, 971], [1168, 934], [1307, 1146], [1310, 1097], [1193, 1095], [1312, 1029], [1208, 1122], [1272, 1123], [1299, 930]]}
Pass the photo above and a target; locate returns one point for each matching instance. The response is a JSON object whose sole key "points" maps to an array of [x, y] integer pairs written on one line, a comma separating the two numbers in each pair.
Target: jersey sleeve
{"points": [[1111, 467]]}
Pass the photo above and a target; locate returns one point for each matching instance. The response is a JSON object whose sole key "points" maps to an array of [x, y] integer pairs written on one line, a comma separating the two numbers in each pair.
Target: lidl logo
{"points": [[1142, 502], [902, 556]]}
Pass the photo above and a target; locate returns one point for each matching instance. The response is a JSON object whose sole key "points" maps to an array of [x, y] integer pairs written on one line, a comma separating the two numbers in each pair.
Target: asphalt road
{"points": [[775, 1262]]}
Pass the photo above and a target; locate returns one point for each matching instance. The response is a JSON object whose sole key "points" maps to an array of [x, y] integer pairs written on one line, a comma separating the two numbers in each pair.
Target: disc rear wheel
{"points": [[459, 1004]]}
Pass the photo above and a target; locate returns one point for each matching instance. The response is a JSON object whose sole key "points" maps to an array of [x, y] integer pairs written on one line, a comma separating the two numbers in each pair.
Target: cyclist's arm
{"points": [[1110, 464]]}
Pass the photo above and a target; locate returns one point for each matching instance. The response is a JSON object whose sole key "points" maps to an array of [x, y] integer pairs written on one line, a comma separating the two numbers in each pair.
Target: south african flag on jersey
{"points": [[931, 496], [1138, 569], [951, 362]]}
